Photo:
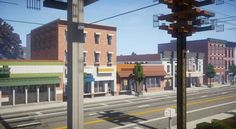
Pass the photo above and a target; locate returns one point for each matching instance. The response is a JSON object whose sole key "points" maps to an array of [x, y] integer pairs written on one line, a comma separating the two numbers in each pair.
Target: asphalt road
{"points": [[145, 112]]}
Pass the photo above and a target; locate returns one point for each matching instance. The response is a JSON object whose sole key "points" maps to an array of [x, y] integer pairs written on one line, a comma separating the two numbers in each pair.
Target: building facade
{"points": [[49, 42], [153, 80], [194, 70], [25, 82], [219, 53]]}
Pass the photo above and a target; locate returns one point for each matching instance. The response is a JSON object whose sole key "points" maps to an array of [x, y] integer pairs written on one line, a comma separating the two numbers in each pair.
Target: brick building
{"points": [[49, 42], [219, 53]]}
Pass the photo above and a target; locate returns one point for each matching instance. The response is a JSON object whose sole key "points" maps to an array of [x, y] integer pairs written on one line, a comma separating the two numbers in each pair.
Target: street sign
{"points": [[169, 112]]}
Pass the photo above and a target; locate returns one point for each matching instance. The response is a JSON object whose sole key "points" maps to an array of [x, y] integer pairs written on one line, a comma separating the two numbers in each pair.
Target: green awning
{"points": [[28, 81]]}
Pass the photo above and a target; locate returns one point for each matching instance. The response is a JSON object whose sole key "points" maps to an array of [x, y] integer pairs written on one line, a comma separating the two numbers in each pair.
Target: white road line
{"points": [[224, 93], [138, 128], [161, 118], [103, 104], [142, 106], [28, 124], [204, 96], [92, 114]]}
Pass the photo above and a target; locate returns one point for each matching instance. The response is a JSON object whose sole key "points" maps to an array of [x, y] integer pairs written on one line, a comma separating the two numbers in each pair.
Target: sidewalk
{"points": [[221, 116], [46, 105]]}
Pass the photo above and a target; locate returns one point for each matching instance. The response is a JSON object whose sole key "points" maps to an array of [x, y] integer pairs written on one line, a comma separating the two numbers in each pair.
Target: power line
{"points": [[230, 4], [25, 22], [125, 13], [11, 3]]}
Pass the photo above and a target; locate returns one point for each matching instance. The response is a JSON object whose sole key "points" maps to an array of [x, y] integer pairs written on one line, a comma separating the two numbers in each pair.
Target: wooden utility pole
{"points": [[184, 21]]}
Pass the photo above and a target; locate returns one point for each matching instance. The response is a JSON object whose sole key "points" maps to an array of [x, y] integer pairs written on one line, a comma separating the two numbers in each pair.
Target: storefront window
{"points": [[6, 95], [20, 95], [43, 93], [87, 87], [153, 82], [32, 94]]}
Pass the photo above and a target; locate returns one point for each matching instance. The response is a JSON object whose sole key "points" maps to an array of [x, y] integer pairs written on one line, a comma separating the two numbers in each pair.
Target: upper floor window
{"points": [[85, 35], [84, 56], [97, 37], [168, 68], [97, 57], [109, 39], [109, 57]]}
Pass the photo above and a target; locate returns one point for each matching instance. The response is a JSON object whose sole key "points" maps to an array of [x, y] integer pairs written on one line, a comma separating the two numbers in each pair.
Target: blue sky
{"points": [[135, 32]]}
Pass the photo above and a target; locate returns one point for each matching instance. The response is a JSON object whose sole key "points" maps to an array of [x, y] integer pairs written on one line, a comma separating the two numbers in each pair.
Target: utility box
{"points": [[169, 112]]}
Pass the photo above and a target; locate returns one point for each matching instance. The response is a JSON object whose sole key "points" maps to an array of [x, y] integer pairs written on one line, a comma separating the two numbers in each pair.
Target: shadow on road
{"points": [[122, 119]]}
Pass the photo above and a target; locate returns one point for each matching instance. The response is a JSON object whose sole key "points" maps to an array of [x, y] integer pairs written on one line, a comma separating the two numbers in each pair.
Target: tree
{"points": [[232, 72], [138, 77], [9, 42], [210, 72]]}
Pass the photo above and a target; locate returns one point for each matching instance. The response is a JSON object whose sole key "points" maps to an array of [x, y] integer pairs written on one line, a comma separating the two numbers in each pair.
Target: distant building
{"points": [[49, 42], [219, 53], [26, 82], [166, 61]]}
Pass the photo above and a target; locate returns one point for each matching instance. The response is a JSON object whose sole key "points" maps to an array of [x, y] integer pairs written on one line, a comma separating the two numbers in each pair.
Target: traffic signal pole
{"points": [[181, 81], [75, 115]]}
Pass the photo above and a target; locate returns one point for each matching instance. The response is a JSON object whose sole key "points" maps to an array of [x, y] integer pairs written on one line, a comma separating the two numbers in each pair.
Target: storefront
{"points": [[15, 91], [26, 82]]}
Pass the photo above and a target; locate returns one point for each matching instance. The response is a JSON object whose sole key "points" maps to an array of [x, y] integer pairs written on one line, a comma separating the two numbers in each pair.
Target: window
{"points": [[124, 84], [153, 82], [168, 68], [97, 57], [85, 35], [97, 38], [109, 39], [84, 56], [99, 86], [109, 57]]}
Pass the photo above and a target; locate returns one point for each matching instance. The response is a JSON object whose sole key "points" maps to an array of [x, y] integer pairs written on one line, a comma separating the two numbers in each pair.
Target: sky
{"points": [[135, 31]]}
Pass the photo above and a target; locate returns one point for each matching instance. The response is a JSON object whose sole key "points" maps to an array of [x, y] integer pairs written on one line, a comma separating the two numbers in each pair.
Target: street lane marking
{"points": [[92, 114], [191, 103], [224, 93], [161, 118], [142, 106], [204, 96]]}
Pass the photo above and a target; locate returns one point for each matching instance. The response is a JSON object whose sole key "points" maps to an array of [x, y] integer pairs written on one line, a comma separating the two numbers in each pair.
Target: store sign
{"points": [[105, 70]]}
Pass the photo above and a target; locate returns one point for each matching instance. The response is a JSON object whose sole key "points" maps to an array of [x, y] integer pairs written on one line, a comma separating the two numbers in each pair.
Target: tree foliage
{"points": [[9, 41], [232, 70], [210, 72], [138, 77]]}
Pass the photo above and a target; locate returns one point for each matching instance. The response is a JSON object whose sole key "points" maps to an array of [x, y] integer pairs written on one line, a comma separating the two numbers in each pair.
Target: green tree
{"points": [[232, 72], [9, 41], [210, 72], [138, 76]]}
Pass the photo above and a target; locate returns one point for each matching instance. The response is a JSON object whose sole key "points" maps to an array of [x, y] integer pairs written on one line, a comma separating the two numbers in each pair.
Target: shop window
{"points": [[20, 95], [32, 94], [43, 93], [7, 95], [153, 82], [87, 87], [124, 85]]}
